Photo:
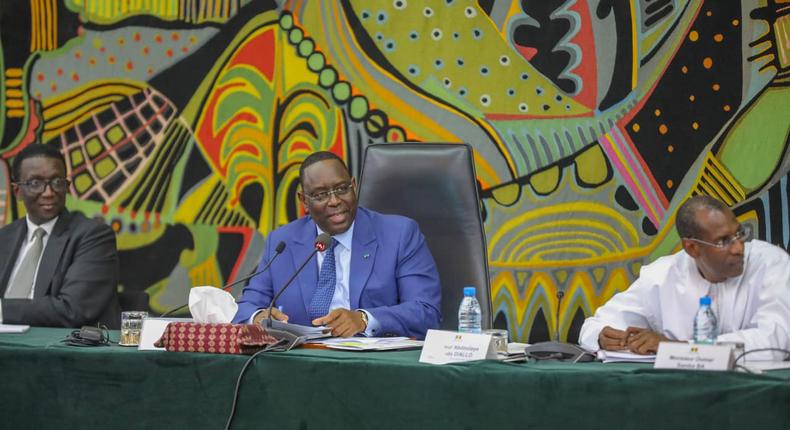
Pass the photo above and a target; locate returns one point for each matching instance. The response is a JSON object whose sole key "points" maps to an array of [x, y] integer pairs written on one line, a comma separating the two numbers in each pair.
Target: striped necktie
{"points": [[22, 284]]}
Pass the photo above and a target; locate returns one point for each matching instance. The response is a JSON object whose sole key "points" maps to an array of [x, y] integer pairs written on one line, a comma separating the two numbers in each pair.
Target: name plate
{"points": [[690, 356], [153, 329], [442, 347]]}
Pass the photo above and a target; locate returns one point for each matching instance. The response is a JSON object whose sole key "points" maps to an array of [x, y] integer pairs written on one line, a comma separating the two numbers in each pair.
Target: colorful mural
{"points": [[184, 123]]}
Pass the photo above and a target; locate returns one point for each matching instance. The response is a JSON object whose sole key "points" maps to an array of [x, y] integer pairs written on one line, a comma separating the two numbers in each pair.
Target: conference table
{"points": [[47, 384]]}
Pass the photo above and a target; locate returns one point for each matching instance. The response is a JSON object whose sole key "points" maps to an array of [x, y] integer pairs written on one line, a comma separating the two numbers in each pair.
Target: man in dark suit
{"points": [[382, 277], [57, 268]]}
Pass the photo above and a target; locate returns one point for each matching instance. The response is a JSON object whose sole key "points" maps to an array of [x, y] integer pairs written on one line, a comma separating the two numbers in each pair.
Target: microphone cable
{"points": [[241, 375], [88, 336], [745, 353], [321, 242]]}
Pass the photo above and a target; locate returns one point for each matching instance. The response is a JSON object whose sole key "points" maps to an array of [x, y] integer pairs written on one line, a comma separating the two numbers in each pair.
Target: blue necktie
{"points": [[322, 298]]}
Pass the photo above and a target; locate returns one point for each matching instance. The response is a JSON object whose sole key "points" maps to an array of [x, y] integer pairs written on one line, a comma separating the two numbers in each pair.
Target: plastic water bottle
{"points": [[469, 314], [706, 326]]}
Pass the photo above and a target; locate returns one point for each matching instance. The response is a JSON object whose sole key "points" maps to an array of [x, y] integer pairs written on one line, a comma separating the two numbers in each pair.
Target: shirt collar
{"points": [[345, 238], [47, 226]]}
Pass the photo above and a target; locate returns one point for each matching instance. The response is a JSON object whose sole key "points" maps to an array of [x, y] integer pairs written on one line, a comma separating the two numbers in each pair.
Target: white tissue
{"points": [[211, 305]]}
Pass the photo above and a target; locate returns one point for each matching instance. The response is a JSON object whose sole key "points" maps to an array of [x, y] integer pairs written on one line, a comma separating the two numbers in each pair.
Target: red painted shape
{"points": [[258, 52], [30, 134], [211, 139], [527, 52], [587, 68]]}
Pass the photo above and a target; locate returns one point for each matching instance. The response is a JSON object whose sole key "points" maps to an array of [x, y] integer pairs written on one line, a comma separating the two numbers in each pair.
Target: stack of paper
{"points": [[371, 343], [515, 352], [13, 328], [307, 332], [624, 356]]}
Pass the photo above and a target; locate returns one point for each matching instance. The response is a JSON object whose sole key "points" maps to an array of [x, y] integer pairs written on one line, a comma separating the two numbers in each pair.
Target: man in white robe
{"points": [[748, 282]]}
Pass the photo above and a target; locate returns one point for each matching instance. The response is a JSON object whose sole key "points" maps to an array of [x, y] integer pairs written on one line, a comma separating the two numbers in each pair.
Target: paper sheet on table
{"points": [[516, 351], [624, 356], [371, 343], [308, 332], [153, 328], [13, 328], [762, 366]]}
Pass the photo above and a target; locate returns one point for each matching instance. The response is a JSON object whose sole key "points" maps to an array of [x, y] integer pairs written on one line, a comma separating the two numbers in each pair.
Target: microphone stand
{"points": [[555, 349], [291, 340]]}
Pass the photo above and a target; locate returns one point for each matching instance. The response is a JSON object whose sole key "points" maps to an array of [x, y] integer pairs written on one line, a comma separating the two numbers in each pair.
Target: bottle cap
{"points": [[470, 291], [704, 300]]}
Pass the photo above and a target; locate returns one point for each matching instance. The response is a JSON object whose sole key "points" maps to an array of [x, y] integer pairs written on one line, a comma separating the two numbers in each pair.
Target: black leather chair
{"points": [[435, 184]]}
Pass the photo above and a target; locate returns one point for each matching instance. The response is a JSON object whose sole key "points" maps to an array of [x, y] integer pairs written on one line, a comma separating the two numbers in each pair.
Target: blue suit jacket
{"points": [[393, 274]]}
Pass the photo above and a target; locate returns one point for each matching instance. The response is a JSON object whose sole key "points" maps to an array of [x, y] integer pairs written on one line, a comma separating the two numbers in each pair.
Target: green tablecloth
{"points": [[49, 385]]}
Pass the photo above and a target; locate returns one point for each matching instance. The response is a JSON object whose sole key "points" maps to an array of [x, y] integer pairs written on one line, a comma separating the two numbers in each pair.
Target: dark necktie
{"points": [[322, 298], [22, 284]]}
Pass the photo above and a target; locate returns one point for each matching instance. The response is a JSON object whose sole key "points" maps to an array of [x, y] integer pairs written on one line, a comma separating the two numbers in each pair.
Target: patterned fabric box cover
{"points": [[214, 338]]}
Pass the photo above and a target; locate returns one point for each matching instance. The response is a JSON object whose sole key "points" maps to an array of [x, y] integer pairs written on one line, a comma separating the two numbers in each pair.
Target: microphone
{"points": [[557, 350], [560, 295], [322, 242], [277, 251]]}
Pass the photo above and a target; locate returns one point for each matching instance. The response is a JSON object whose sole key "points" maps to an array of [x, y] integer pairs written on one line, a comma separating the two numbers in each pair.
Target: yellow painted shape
{"points": [[508, 194], [487, 92], [591, 165], [104, 167], [83, 182], [545, 181], [115, 134], [13, 72], [76, 157], [93, 146]]}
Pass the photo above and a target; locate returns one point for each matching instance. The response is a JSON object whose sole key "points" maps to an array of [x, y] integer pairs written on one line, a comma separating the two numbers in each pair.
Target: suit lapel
{"points": [[363, 254], [52, 255], [303, 245], [15, 235]]}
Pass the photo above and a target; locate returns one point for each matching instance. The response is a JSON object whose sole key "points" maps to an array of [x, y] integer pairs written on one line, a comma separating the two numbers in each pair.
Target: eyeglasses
{"points": [[37, 186], [323, 196], [743, 234]]}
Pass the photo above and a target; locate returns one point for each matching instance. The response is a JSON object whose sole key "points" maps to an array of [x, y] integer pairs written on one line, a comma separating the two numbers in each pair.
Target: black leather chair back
{"points": [[435, 184]]}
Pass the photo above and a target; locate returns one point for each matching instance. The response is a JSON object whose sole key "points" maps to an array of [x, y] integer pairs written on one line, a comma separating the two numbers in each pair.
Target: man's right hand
{"points": [[611, 339], [276, 314]]}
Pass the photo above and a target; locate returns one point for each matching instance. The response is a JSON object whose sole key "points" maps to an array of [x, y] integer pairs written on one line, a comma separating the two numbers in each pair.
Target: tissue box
{"points": [[214, 338]]}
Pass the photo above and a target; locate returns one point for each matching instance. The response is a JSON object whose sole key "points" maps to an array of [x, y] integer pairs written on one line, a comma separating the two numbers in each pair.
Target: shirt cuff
{"points": [[373, 324], [252, 318]]}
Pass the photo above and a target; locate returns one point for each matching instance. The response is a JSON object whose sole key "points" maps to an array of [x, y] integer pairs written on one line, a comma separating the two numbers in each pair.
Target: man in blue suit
{"points": [[381, 278]]}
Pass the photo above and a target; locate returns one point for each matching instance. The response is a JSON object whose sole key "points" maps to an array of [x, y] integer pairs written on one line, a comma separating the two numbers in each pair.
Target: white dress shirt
{"points": [[26, 244], [753, 308]]}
